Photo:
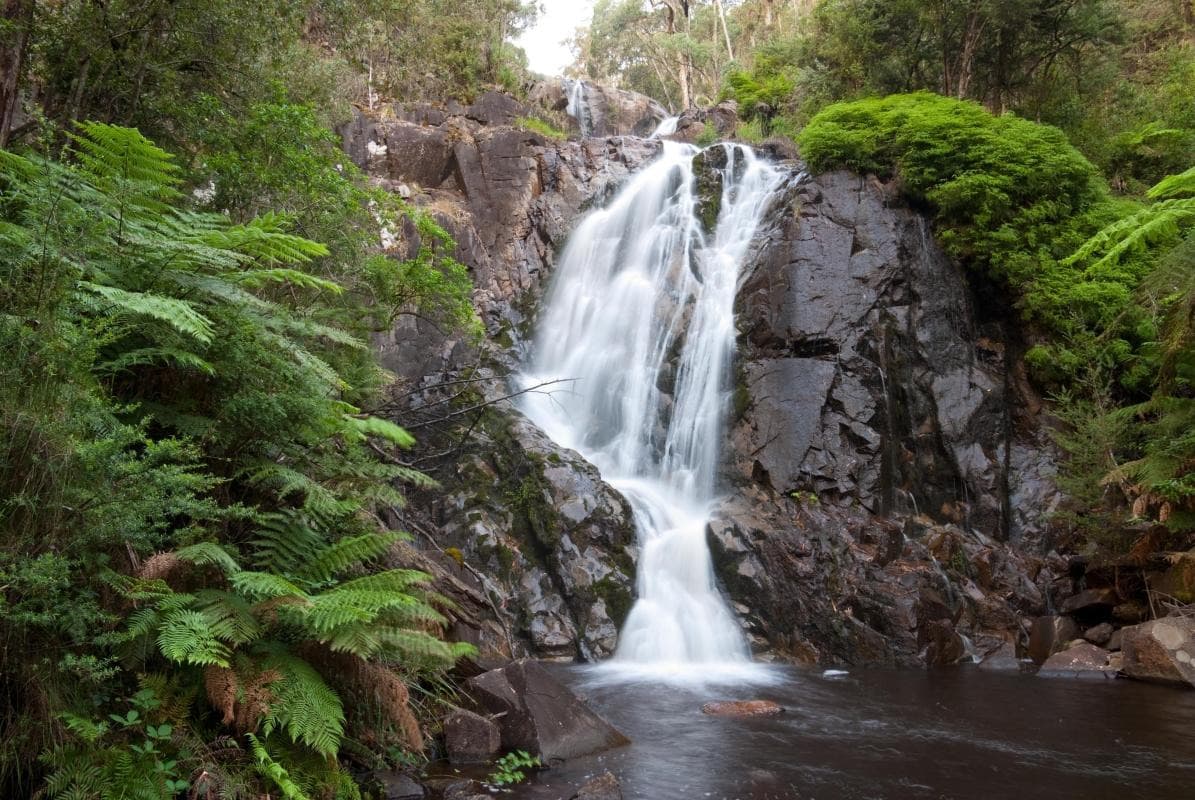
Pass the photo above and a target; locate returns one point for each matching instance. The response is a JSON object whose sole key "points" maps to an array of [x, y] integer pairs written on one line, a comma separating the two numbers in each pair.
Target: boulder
{"points": [[1003, 659], [540, 714], [1161, 651], [471, 738], [1084, 660], [1090, 601], [742, 708], [398, 786], [1115, 640], [603, 787], [1100, 634], [1050, 635]]}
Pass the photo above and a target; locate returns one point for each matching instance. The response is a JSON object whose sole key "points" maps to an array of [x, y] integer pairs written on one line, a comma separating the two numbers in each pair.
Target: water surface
{"points": [[958, 733]]}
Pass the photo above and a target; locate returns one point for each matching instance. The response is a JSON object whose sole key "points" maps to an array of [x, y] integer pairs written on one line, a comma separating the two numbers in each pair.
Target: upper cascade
{"points": [[639, 323]]}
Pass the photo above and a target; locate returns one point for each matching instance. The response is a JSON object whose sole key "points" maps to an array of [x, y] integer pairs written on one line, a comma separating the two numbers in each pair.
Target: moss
{"points": [[536, 125], [618, 599]]}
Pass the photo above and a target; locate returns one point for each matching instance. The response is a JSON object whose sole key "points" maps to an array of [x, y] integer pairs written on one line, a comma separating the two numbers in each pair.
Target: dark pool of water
{"points": [[892, 735]]}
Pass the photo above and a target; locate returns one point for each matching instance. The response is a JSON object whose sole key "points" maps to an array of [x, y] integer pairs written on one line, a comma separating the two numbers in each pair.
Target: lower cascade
{"points": [[638, 329]]}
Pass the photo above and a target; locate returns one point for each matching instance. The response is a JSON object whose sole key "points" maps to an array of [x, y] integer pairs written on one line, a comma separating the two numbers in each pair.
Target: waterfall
{"points": [[575, 89], [639, 324], [667, 127]]}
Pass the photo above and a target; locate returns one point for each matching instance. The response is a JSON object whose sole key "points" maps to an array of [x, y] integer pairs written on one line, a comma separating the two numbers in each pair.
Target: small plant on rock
{"points": [[509, 769]]}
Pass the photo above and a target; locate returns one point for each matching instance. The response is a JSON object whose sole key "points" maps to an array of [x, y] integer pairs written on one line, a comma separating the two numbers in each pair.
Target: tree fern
{"points": [[179, 314], [121, 158], [275, 772], [188, 638], [304, 706], [348, 553]]}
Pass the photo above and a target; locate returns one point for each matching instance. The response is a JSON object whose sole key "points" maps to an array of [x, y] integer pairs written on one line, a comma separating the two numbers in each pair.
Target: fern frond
{"points": [[256, 278], [348, 553], [1157, 222], [179, 314], [187, 638], [275, 772], [208, 554], [392, 580], [110, 153], [378, 428], [265, 586], [181, 359], [230, 617], [1174, 186], [285, 542], [304, 705]]}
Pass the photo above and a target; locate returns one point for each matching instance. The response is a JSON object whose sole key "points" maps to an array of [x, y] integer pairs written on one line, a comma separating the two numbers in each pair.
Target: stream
{"points": [[889, 735]]}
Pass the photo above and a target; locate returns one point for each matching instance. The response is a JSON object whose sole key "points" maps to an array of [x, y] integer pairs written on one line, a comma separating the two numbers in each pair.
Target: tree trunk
{"points": [[725, 30], [18, 18]]}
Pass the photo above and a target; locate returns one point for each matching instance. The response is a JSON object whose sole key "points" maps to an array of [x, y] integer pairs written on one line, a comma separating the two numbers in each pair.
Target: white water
{"points": [[576, 104], [638, 281], [667, 127]]}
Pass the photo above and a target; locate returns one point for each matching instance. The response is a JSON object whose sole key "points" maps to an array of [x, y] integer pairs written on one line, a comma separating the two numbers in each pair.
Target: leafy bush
{"points": [[190, 487]]}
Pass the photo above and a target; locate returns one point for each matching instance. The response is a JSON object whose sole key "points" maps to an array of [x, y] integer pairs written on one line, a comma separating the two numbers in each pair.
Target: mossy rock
{"points": [[707, 169]]}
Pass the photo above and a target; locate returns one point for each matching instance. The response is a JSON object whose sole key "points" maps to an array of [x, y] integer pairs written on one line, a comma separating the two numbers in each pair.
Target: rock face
{"points": [[869, 380], [882, 451], [697, 123], [1161, 651], [540, 714], [536, 534], [607, 111]]}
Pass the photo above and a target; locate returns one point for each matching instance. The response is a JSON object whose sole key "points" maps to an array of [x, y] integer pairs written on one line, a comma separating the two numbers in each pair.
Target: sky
{"points": [[544, 42]]}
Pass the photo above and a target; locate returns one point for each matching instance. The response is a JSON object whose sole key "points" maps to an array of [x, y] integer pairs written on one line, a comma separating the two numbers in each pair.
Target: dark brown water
{"points": [[893, 735]]}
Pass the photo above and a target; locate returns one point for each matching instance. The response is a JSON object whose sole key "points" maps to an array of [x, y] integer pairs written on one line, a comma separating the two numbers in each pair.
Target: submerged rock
{"points": [[1161, 651], [541, 715], [603, 787], [742, 708]]}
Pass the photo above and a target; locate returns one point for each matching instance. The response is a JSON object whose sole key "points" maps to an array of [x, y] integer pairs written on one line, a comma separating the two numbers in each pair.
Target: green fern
{"points": [[304, 706], [188, 638]]}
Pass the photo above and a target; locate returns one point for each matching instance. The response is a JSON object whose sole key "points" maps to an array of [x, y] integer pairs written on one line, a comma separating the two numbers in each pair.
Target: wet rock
{"points": [[1084, 660], [608, 111], [1100, 634], [398, 785], [1130, 612], [470, 738], [1003, 659], [540, 714], [742, 708], [603, 787], [454, 788], [1115, 641], [1090, 601], [1161, 651], [720, 120], [1049, 635], [906, 409]]}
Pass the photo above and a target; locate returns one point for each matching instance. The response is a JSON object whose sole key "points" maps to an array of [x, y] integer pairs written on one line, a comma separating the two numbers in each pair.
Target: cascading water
{"points": [[576, 104], [640, 323], [667, 127]]}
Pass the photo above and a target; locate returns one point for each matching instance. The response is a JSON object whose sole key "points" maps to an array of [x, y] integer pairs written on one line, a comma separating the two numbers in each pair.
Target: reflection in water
{"points": [[892, 735]]}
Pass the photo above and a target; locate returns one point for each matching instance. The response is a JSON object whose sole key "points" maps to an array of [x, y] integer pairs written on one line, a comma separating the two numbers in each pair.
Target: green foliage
{"points": [[537, 125], [1004, 191], [509, 769], [189, 482]]}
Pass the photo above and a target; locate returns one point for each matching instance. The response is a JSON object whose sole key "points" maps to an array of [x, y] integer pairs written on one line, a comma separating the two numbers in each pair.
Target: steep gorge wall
{"points": [[876, 453]]}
